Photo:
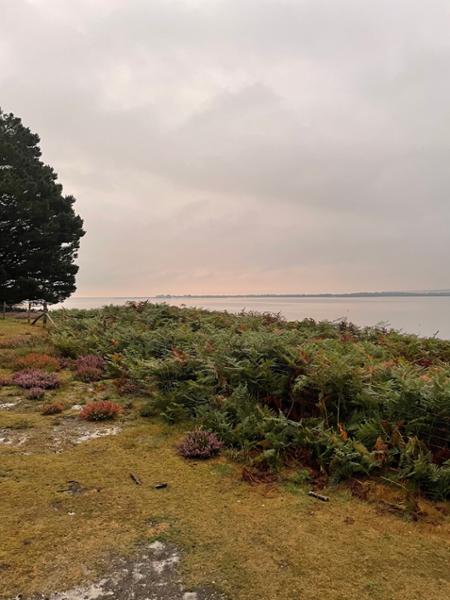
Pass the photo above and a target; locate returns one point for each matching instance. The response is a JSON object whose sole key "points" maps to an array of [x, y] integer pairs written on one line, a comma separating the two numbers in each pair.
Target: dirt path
{"points": [[153, 574]]}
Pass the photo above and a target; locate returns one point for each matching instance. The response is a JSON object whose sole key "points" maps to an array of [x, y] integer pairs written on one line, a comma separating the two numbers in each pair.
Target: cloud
{"points": [[230, 146]]}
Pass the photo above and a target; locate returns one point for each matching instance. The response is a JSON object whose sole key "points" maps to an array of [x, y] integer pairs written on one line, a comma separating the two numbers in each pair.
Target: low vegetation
{"points": [[52, 408], [35, 393], [199, 444], [89, 367], [69, 503], [100, 411], [35, 360], [335, 399], [35, 379]]}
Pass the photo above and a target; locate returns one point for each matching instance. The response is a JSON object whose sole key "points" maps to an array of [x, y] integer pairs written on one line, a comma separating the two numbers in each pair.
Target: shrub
{"points": [[66, 363], [100, 411], [339, 400], [148, 410], [127, 387], [52, 408], [89, 367], [35, 393], [90, 360], [34, 360], [88, 374], [35, 378], [5, 381], [199, 444]]}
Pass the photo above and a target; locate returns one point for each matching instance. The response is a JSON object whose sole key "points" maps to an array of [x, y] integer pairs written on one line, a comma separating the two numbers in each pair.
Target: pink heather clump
{"points": [[35, 378], [35, 393], [92, 361], [89, 367], [89, 374], [199, 444]]}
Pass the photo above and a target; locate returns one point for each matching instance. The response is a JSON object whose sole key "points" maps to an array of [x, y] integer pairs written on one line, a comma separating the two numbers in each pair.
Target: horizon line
{"points": [[441, 292]]}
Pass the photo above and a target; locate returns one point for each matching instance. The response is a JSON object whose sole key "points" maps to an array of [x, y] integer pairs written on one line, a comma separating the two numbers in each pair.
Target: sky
{"points": [[233, 146]]}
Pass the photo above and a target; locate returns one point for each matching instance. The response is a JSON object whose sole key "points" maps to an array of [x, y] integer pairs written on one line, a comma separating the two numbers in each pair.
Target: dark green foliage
{"points": [[338, 399], [39, 231]]}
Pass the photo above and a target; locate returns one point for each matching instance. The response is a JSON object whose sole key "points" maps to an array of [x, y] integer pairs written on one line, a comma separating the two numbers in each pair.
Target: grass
{"points": [[260, 542]]}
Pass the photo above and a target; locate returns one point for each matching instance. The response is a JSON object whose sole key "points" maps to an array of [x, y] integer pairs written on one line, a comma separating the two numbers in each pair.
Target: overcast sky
{"points": [[242, 145]]}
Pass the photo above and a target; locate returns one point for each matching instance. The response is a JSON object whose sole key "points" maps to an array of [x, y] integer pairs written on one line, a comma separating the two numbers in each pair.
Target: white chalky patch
{"points": [[11, 439], [89, 592], [157, 546], [166, 563], [7, 405], [190, 596], [96, 433], [137, 575]]}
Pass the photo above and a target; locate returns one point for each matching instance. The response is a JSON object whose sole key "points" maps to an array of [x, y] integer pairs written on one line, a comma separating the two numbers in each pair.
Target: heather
{"points": [[35, 360], [199, 444], [35, 379], [52, 408], [100, 411], [34, 393], [89, 367], [331, 398]]}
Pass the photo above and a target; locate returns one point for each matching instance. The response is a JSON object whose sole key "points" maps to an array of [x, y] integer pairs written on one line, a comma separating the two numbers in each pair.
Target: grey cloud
{"points": [[284, 145]]}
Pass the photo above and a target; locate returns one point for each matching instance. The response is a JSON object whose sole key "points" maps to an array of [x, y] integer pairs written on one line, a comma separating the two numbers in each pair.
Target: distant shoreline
{"points": [[437, 293]]}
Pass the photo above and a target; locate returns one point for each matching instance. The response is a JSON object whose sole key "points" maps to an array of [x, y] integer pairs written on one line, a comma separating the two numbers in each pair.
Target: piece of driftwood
{"points": [[319, 496], [161, 485], [135, 478]]}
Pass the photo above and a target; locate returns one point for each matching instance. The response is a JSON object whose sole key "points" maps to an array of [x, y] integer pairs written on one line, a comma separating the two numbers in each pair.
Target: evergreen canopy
{"points": [[39, 230]]}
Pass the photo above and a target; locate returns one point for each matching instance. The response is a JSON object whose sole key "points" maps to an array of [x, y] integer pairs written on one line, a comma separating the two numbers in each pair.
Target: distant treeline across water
{"points": [[425, 315]]}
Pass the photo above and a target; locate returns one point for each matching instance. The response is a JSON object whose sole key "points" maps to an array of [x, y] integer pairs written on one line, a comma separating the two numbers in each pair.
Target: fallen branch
{"points": [[135, 478], [160, 486], [318, 496]]}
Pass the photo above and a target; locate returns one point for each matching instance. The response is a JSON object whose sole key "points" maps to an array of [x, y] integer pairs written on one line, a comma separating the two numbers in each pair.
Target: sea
{"points": [[420, 315]]}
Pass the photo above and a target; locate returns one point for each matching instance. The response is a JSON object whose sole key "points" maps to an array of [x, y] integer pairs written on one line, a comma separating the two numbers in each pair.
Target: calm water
{"points": [[423, 316]]}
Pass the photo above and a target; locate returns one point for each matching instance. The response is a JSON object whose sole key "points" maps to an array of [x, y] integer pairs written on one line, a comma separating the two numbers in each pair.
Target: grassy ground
{"points": [[252, 542]]}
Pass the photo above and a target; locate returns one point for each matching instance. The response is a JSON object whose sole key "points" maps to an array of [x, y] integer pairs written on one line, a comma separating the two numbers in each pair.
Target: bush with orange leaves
{"points": [[36, 360], [100, 411]]}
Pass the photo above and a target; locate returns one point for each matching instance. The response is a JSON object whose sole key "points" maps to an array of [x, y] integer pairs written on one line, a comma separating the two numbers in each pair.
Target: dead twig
{"points": [[319, 496], [135, 478]]}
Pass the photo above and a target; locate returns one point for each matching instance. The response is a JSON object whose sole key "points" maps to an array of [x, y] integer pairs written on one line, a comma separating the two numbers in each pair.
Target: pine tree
{"points": [[39, 230]]}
